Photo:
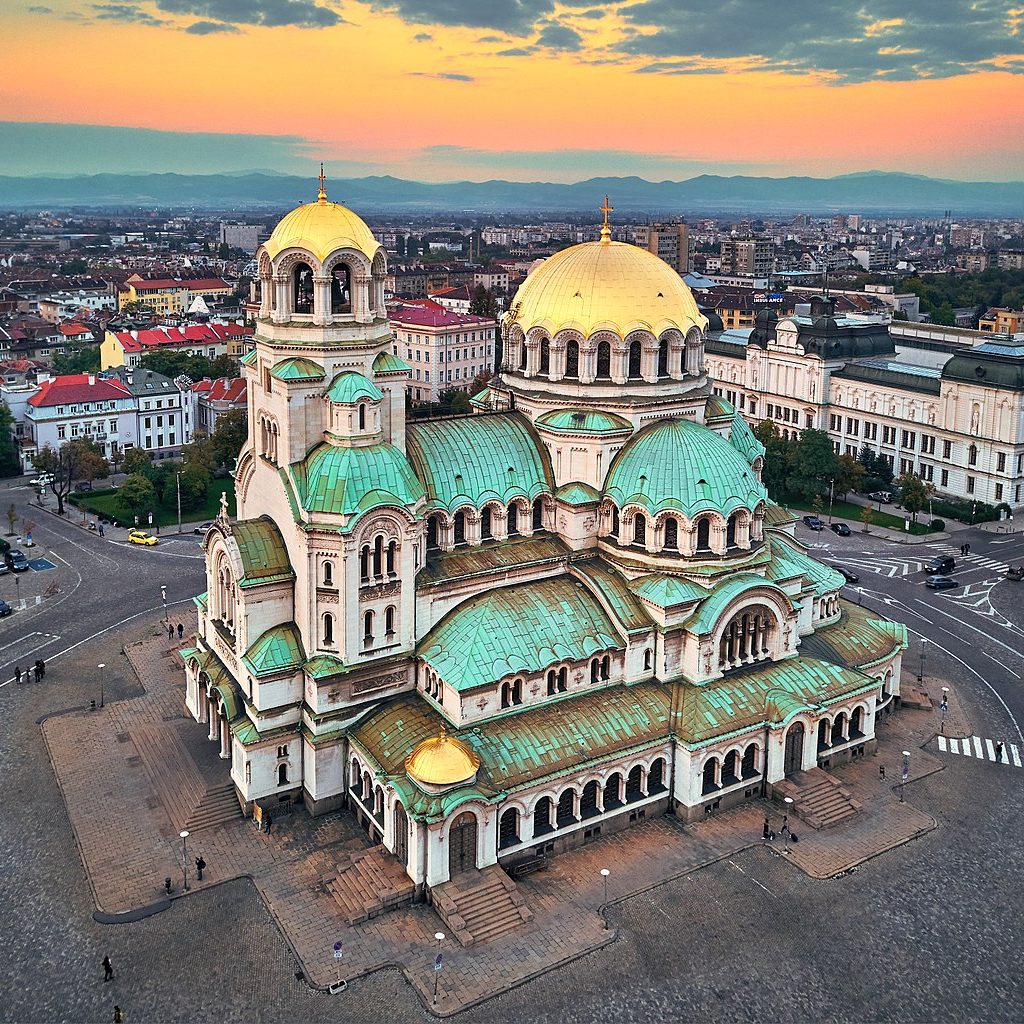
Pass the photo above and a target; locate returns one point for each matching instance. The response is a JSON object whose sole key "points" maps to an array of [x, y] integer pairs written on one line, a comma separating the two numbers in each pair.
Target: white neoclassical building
{"points": [[498, 635]]}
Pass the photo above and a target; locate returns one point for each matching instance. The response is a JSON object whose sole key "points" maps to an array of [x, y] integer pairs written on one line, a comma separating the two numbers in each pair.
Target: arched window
{"points": [[522, 354], [648, 659], [595, 670], [704, 534], [460, 527], [552, 681], [506, 695], [746, 638], [367, 629], [572, 359], [588, 800], [606, 667], [635, 360], [604, 361], [328, 574], [378, 556], [749, 766], [663, 357], [538, 514], [640, 530], [566, 812], [542, 816], [486, 533], [517, 692], [508, 828], [729, 772], [613, 792], [513, 520], [392, 557], [708, 783], [972, 455], [282, 775], [613, 530], [341, 289], [302, 288], [389, 621], [328, 628], [634, 784], [656, 776], [671, 535], [730, 532], [432, 533], [563, 679], [364, 564], [857, 723], [545, 356], [362, 416]]}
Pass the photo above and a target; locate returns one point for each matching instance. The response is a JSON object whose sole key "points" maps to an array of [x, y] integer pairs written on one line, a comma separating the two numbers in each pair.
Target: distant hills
{"points": [[866, 192]]}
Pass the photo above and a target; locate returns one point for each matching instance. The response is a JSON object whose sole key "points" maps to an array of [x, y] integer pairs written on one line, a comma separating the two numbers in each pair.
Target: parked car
{"points": [[940, 565], [884, 497], [813, 523], [941, 583], [850, 577], [141, 537], [16, 561], [841, 528], [5, 609], [83, 485], [202, 528], [4, 567], [43, 480]]}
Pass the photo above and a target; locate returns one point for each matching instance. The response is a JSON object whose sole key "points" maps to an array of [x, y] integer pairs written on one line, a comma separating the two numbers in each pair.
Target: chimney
{"points": [[92, 379]]}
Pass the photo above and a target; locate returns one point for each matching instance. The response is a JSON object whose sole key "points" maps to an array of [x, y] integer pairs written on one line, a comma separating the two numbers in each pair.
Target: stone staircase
{"points": [[365, 883], [479, 906], [818, 798], [189, 801]]}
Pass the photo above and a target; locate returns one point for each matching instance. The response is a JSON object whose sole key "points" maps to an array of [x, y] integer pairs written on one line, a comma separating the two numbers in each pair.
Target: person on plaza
{"points": [[17, 675], [765, 830], [266, 822], [200, 865], [42, 669], [967, 549], [181, 630], [170, 631], [881, 773], [35, 672], [100, 528], [118, 1015], [108, 968], [999, 750]]}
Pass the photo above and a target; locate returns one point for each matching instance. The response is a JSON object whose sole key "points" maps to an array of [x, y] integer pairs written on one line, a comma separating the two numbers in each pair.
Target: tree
{"points": [[483, 303], [229, 435], [866, 517], [10, 462], [84, 360], [74, 460], [159, 475], [12, 518], [195, 482], [813, 464], [136, 460], [777, 457], [175, 364], [224, 366], [74, 266], [199, 452], [913, 493], [136, 495], [849, 475]]}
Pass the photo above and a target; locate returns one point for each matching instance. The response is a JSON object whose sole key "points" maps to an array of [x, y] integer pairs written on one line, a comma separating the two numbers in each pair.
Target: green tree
{"points": [[777, 457], [84, 360], [73, 460], [195, 482], [174, 364], [483, 303], [160, 475], [866, 516], [913, 493], [199, 452], [10, 461], [136, 460], [229, 435], [849, 475], [224, 366], [813, 464], [74, 266], [136, 495]]}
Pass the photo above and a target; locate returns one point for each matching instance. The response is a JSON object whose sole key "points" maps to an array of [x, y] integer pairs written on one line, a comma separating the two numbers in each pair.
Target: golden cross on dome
{"points": [[322, 194], [606, 209]]}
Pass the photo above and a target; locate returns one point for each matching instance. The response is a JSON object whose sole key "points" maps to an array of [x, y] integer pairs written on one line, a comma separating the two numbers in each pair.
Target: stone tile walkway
{"points": [[129, 846]]}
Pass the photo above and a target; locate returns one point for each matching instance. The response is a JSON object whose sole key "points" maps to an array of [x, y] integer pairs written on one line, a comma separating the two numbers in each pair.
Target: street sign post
{"points": [[339, 985]]}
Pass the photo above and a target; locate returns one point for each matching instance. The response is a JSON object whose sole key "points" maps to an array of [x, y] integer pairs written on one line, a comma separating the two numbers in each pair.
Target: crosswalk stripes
{"points": [[976, 559], [983, 749]]}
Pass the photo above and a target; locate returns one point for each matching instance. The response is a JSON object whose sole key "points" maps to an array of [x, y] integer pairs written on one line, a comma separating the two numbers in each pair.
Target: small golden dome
{"points": [[605, 285], [442, 761], [321, 228]]}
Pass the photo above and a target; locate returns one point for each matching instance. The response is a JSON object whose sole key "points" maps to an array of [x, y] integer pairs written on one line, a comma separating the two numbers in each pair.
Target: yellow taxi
{"points": [[141, 537]]}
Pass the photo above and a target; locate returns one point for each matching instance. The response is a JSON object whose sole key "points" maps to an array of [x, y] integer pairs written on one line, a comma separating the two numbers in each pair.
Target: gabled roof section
{"points": [[584, 421], [277, 650], [524, 628], [612, 587], [788, 562], [578, 493], [350, 387], [387, 362], [249, 358], [710, 610], [77, 388], [860, 639], [297, 368], [263, 552], [468, 460], [667, 591]]}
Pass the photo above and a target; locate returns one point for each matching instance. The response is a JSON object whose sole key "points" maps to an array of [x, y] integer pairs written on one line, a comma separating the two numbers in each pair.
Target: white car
{"points": [[43, 480]]}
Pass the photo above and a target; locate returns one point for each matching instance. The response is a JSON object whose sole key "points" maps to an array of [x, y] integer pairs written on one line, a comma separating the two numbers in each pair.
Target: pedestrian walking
{"points": [[17, 675], [35, 671], [961, 551], [118, 1015], [200, 866], [108, 968], [881, 773], [267, 821], [170, 632], [181, 630], [42, 669], [100, 528], [765, 830], [999, 750], [967, 549]]}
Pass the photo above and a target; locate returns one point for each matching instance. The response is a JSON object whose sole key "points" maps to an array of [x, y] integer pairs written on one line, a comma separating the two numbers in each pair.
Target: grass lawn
{"points": [[167, 513], [849, 510]]}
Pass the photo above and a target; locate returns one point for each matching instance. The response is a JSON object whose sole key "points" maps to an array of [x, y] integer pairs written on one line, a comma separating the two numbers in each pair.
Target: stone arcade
{"points": [[500, 634]]}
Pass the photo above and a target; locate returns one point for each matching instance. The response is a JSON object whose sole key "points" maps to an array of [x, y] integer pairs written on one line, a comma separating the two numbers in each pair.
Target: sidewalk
{"points": [[129, 845]]}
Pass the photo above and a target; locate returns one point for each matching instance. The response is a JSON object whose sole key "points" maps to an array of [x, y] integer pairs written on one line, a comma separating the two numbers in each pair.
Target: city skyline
{"points": [[445, 91]]}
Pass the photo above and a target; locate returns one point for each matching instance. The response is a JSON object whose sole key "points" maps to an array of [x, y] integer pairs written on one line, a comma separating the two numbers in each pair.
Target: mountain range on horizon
{"points": [[859, 192]]}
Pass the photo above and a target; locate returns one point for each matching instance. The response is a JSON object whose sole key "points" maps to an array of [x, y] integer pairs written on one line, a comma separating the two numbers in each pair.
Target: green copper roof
{"points": [[322, 666], [471, 561], [717, 408], [776, 515], [350, 481], [578, 493], [677, 464], [709, 612], [386, 362], [524, 628], [860, 639], [297, 368], [249, 358], [264, 556], [232, 697], [584, 421], [612, 587], [772, 693], [279, 649], [667, 591], [468, 460], [741, 437], [788, 562], [351, 387]]}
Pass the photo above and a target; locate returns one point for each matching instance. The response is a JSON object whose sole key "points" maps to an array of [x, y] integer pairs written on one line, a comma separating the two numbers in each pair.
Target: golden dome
{"points": [[442, 761], [321, 228], [605, 285]]}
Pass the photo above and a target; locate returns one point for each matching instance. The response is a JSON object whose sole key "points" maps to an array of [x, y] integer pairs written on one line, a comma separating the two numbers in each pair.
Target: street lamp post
{"points": [[604, 874], [183, 834], [177, 478], [943, 708], [906, 772], [831, 499], [438, 961], [920, 664], [17, 583], [101, 666], [163, 597], [786, 829]]}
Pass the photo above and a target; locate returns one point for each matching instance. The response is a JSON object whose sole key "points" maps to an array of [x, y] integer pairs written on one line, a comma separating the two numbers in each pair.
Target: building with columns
{"points": [[503, 634]]}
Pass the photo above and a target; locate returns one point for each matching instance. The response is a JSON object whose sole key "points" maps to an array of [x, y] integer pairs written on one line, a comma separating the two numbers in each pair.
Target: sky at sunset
{"points": [[522, 89]]}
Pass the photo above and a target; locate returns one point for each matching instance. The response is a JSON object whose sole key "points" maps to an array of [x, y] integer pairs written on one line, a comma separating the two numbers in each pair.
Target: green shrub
{"points": [[938, 525]]}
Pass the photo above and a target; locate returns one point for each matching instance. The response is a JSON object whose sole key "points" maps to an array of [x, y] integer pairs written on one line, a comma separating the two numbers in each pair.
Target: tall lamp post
{"points": [[831, 499], [101, 666], [163, 597], [906, 772], [183, 834], [438, 961], [17, 583], [786, 829], [604, 874], [920, 664], [943, 708]]}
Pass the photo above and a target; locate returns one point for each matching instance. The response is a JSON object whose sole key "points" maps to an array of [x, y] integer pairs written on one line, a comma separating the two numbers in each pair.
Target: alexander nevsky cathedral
{"points": [[499, 635]]}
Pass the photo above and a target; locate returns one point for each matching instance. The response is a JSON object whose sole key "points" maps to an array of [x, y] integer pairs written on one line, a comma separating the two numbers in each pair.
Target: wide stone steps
{"points": [[480, 906], [366, 883], [171, 770], [818, 798], [218, 806]]}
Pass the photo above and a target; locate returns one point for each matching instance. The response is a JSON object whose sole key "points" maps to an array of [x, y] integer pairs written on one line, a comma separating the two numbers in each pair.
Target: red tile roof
{"points": [[195, 334], [78, 387], [427, 313], [224, 389], [198, 284], [73, 329]]}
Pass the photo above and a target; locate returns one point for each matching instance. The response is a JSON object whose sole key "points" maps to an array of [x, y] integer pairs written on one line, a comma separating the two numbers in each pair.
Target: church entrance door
{"points": [[462, 844], [401, 835], [794, 749]]}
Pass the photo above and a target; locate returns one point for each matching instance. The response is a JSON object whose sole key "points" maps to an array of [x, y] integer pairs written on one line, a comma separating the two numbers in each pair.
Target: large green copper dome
{"points": [[681, 465]]}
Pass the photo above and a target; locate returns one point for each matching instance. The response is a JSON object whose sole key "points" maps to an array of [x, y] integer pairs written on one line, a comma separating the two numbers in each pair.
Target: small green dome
{"points": [[681, 465], [388, 363], [583, 421], [350, 387], [297, 368]]}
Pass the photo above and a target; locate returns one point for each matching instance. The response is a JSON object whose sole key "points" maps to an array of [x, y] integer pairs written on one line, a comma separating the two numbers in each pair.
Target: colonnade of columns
{"points": [[745, 640], [276, 298]]}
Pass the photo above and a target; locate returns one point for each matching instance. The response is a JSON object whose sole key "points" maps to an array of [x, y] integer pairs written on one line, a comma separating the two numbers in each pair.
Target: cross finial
{"points": [[606, 209], [223, 516], [322, 194]]}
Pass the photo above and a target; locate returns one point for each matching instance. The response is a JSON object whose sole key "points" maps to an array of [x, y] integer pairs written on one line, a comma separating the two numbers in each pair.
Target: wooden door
{"points": [[462, 844], [794, 749]]}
